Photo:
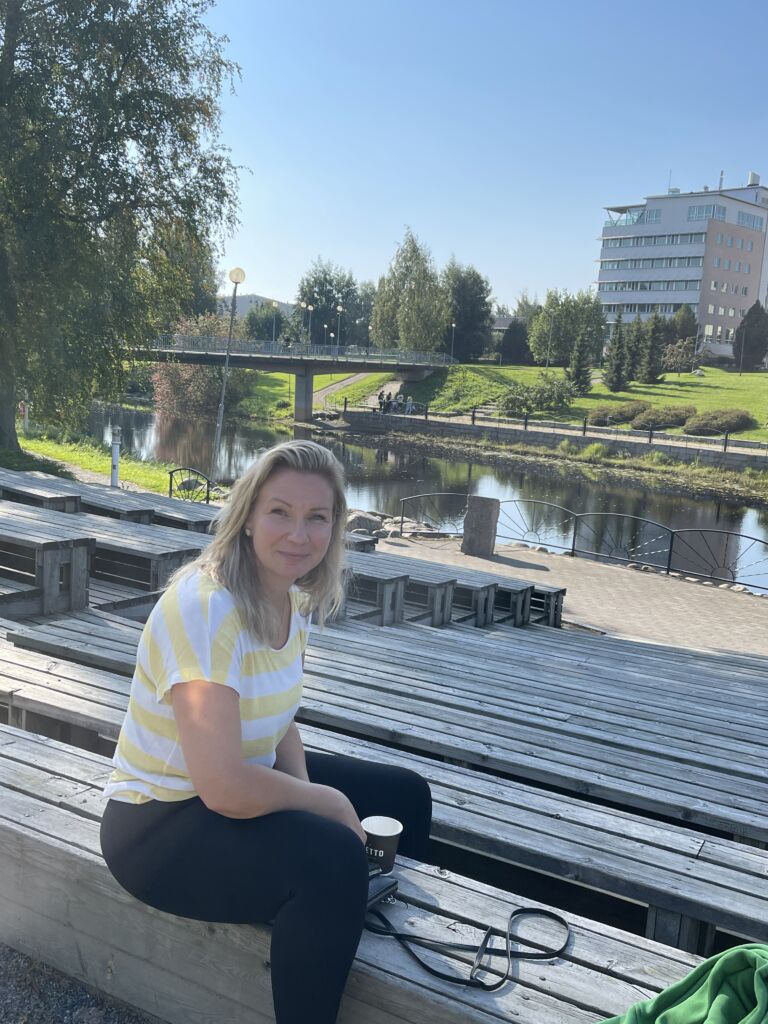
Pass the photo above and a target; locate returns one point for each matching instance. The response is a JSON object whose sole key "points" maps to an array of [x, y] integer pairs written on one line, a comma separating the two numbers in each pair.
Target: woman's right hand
{"points": [[332, 803]]}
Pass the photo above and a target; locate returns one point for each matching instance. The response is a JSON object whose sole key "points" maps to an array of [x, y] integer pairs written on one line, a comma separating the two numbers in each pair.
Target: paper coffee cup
{"points": [[383, 835]]}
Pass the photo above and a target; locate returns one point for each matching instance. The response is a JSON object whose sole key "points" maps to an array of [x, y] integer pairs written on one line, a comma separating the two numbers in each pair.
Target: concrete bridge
{"points": [[303, 361]]}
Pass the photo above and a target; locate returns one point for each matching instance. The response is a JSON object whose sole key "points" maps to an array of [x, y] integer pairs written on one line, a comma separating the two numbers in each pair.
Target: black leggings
{"points": [[305, 874]]}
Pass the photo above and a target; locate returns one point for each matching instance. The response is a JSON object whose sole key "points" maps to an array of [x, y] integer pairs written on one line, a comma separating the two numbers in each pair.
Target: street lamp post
{"points": [[453, 338], [274, 320], [325, 334], [236, 276], [303, 321], [339, 310], [310, 307]]}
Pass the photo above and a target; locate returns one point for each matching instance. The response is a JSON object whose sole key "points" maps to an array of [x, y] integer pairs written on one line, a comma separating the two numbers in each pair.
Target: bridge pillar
{"points": [[302, 407]]}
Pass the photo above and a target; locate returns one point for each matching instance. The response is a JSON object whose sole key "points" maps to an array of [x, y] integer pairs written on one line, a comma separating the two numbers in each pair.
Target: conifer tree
{"points": [[579, 372], [634, 340], [614, 374], [649, 371]]}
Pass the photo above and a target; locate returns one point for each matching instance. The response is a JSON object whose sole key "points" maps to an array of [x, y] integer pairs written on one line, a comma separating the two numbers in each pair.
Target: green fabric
{"points": [[730, 988]]}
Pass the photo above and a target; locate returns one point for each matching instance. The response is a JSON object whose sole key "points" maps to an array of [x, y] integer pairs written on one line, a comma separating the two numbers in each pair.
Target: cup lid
{"points": [[379, 825]]}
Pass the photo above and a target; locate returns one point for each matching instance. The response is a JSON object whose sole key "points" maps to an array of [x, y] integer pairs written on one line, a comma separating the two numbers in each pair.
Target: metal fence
{"points": [[482, 418], [717, 555], [240, 346]]}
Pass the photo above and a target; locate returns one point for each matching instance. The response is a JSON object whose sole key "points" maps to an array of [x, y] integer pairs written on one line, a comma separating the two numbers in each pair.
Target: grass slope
{"points": [[462, 387], [152, 476]]}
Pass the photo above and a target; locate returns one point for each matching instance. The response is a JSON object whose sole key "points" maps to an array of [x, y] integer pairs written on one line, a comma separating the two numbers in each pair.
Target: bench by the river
{"points": [[691, 882], [42, 569], [58, 903], [123, 552], [137, 506], [16, 486]]}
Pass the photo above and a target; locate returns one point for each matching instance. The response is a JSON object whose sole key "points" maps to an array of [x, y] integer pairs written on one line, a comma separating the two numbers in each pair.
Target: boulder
{"points": [[362, 521]]}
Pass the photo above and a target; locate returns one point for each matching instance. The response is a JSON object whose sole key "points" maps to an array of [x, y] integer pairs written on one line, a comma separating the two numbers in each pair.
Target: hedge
{"points": [[621, 413], [719, 421], [661, 416]]}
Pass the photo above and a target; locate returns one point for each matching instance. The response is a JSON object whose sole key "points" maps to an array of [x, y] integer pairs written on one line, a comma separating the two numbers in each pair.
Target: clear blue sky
{"points": [[496, 129]]}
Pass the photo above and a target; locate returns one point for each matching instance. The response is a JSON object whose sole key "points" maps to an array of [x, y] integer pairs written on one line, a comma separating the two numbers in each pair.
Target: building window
{"points": [[717, 262], [744, 290], [731, 311], [708, 330], [742, 313], [719, 238], [749, 220], [711, 309], [727, 265], [739, 243], [706, 212], [737, 267], [729, 334], [719, 332], [652, 216], [750, 245], [729, 241], [724, 286], [721, 310], [747, 268], [713, 286]]}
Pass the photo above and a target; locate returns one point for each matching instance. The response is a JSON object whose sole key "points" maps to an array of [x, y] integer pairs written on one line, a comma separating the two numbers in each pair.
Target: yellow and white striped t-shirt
{"points": [[195, 631]]}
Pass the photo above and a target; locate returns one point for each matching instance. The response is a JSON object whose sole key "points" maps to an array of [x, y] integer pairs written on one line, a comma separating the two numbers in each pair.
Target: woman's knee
{"points": [[336, 861]]}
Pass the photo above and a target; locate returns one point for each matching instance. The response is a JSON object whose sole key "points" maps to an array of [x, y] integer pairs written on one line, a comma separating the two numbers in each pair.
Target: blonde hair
{"points": [[229, 559]]}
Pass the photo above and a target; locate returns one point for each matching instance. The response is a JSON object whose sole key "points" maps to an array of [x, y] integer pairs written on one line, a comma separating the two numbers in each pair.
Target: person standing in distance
{"points": [[215, 812]]}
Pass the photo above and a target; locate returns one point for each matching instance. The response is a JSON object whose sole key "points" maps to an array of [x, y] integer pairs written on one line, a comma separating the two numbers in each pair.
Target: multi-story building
{"points": [[704, 249]]}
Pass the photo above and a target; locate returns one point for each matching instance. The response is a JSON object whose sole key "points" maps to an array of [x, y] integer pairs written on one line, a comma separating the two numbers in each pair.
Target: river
{"points": [[380, 474]]}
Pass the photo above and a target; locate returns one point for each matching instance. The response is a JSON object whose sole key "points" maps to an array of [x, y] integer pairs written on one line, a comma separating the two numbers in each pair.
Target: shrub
{"points": [[550, 393], [596, 451], [658, 459], [567, 447], [661, 416], [718, 421], [620, 413]]}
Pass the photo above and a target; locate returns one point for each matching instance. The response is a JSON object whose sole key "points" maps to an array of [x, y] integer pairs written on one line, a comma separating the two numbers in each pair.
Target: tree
{"points": [[325, 287], [526, 308], [264, 321], [634, 340], [684, 324], [751, 342], [553, 331], [513, 347], [548, 334], [679, 357], [469, 302], [579, 371], [614, 368], [501, 309], [109, 163], [184, 388], [551, 393], [411, 307], [649, 370]]}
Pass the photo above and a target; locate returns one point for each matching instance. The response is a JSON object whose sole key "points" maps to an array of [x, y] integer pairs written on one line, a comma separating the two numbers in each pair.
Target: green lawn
{"points": [[462, 387], [272, 394], [356, 393], [153, 476]]}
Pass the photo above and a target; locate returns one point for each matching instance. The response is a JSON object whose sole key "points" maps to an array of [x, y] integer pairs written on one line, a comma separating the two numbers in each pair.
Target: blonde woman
{"points": [[214, 811]]}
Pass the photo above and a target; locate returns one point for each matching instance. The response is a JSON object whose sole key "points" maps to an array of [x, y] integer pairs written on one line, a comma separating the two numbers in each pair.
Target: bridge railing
{"points": [[248, 346]]}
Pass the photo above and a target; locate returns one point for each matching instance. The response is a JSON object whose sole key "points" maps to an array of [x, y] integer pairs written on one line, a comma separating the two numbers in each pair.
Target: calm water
{"points": [[380, 475]]}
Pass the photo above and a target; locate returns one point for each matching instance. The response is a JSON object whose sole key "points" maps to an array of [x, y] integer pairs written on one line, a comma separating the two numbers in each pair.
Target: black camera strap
{"points": [[406, 940]]}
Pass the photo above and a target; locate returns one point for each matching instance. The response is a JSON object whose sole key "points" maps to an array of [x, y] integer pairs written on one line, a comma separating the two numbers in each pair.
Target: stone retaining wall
{"points": [[375, 422]]}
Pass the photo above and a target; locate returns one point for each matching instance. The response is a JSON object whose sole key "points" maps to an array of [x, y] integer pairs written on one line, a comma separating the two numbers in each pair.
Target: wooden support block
{"points": [[679, 931]]}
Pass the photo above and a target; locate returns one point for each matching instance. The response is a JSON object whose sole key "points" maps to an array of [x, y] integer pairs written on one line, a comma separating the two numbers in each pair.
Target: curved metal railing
{"points": [[719, 555]]}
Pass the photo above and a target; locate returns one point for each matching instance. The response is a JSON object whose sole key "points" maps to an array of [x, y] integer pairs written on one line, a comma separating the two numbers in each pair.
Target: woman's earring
{"points": [[247, 532]]}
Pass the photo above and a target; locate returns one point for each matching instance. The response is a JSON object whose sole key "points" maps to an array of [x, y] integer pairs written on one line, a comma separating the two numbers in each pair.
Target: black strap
{"points": [[406, 940]]}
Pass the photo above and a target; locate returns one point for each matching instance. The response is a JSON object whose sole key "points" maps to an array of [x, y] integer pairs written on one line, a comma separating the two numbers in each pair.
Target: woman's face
{"points": [[291, 523]]}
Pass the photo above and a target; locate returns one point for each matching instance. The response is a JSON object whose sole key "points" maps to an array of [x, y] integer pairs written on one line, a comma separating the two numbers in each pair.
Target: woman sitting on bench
{"points": [[214, 811]]}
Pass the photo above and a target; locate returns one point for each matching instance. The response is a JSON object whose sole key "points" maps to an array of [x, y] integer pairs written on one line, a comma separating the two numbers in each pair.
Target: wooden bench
{"points": [[129, 602], [691, 882], [599, 724], [19, 487], [59, 904], [128, 553], [50, 563], [429, 596], [98, 499], [136, 506], [360, 541]]}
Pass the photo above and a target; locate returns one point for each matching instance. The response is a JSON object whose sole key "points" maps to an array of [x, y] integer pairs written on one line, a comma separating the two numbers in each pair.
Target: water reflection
{"points": [[380, 475]]}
